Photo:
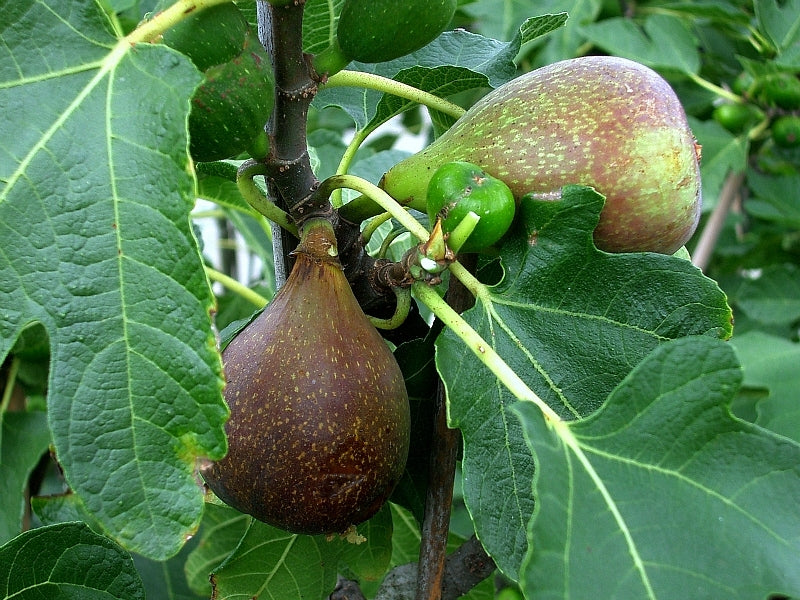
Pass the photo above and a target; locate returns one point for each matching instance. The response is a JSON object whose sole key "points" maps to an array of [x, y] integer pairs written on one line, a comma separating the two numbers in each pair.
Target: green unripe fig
{"points": [[232, 105], [211, 36], [458, 188], [601, 121], [374, 31], [780, 89], [736, 117], [319, 429], [743, 84], [786, 131]]}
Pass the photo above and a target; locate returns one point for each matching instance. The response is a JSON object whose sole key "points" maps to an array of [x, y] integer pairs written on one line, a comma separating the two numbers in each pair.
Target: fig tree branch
{"points": [[710, 234], [444, 455], [464, 569]]}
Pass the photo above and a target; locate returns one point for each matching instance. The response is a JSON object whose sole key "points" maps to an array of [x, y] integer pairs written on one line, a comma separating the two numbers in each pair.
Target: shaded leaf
{"points": [[775, 198], [220, 532], [166, 578], [662, 41], [662, 493], [319, 24], [370, 559], [722, 153], [95, 244], [24, 440], [770, 363], [275, 564], [65, 561], [780, 22], [772, 295], [572, 322], [568, 41]]}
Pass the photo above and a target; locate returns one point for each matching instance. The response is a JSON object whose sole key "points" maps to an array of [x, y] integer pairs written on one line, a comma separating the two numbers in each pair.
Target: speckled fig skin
{"points": [[602, 121], [319, 428]]}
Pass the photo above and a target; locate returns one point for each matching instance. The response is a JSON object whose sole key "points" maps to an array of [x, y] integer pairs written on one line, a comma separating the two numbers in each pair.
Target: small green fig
{"points": [[232, 106], [779, 89], [374, 31], [601, 121], [211, 36], [786, 131], [736, 117], [458, 188], [319, 429]]}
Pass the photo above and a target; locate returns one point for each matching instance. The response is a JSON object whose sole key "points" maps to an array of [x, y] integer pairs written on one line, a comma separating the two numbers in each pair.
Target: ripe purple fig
{"points": [[319, 428], [601, 121]]}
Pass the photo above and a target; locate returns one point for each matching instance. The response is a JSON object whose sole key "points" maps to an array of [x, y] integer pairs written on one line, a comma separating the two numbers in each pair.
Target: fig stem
{"points": [[257, 199], [169, 17], [347, 159], [719, 91], [377, 195], [401, 310], [371, 227], [236, 286], [462, 231], [379, 83], [481, 348]]}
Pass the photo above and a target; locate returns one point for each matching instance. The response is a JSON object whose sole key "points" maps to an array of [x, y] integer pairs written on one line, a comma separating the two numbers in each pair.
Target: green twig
{"points": [[347, 160], [371, 227], [401, 310], [236, 287], [481, 348], [395, 88], [377, 195], [256, 198], [719, 91], [169, 17], [11, 380]]}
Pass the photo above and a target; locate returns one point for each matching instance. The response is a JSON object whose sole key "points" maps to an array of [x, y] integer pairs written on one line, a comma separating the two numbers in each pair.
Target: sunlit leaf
{"points": [[662, 494], [96, 245], [572, 322]]}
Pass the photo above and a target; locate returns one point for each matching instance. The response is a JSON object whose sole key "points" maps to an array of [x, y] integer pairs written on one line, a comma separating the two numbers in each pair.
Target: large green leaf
{"points": [[95, 244], [572, 322], [64, 561], [663, 494]]}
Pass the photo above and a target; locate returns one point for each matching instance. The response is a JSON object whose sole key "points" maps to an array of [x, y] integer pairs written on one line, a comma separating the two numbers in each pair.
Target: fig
{"points": [[458, 188], [211, 36], [318, 434], [786, 131], [736, 117], [375, 31], [232, 106], [779, 89], [602, 121]]}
